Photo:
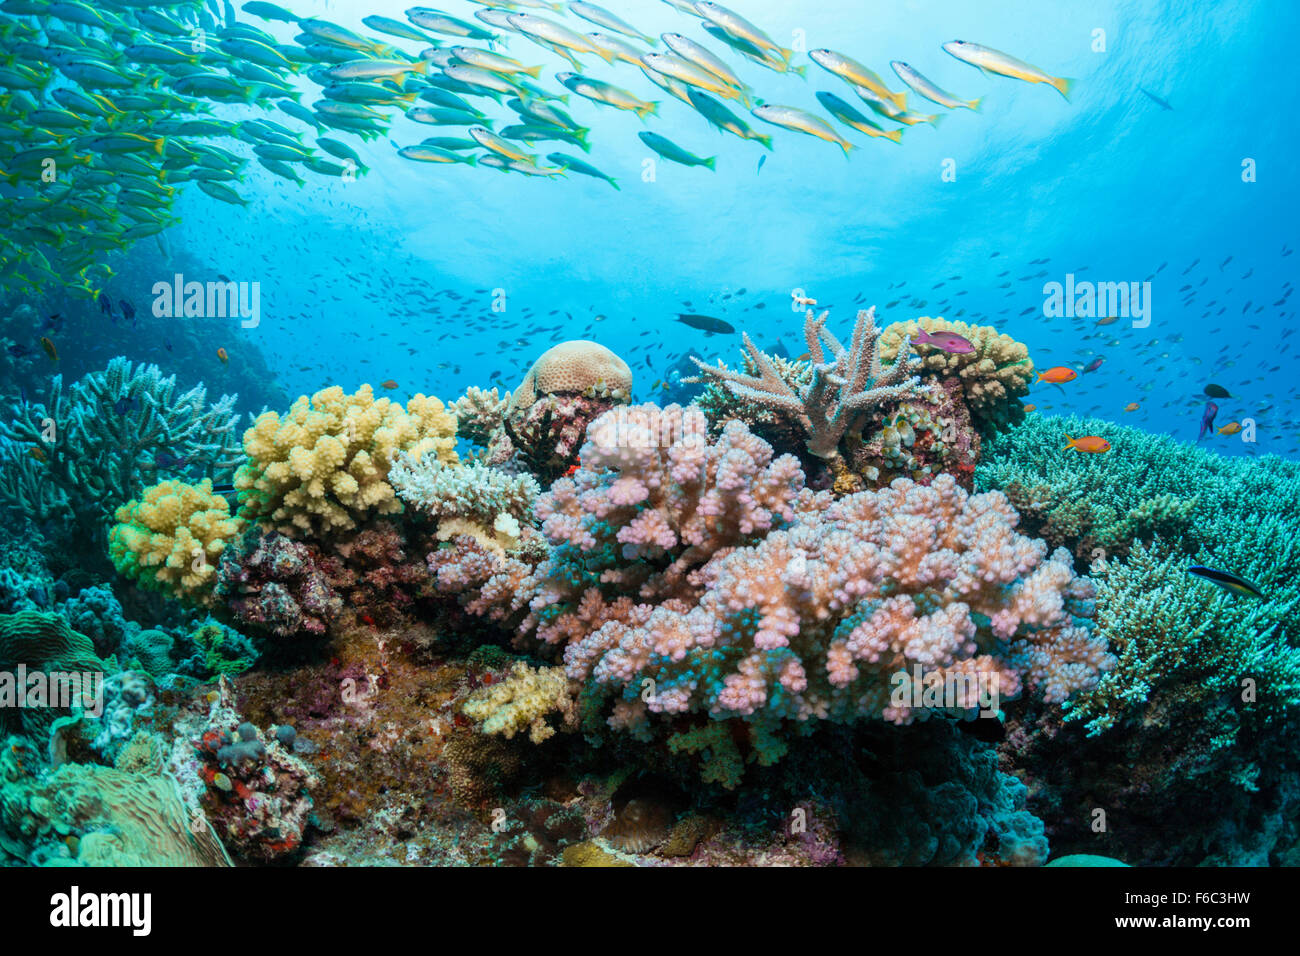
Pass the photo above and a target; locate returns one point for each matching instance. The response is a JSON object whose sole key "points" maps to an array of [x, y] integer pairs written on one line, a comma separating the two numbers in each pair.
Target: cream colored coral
{"points": [[523, 701], [574, 366], [995, 375], [172, 538], [323, 467]]}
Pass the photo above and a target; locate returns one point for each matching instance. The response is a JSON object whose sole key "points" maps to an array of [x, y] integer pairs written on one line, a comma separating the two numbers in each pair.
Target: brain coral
{"points": [[42, 642], [994, 377], [575, 366], [171, 540], [88, 815], [323, 467]]}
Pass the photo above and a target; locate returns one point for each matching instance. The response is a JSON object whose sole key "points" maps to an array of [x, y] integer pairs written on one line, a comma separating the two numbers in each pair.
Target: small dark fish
{"points": [[165, 459], [761, 160], [1227, 581], [223, 278], [128, 309], [105, 304], [18, 351], [53, 324], [124, 405], [1207, 419], [705, 323], [1155, 99], [1094, 364], [1216, 391]]}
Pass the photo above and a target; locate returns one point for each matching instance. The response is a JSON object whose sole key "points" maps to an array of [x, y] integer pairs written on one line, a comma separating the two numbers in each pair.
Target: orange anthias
{"points": [[1057, 375], [1092, 444]]}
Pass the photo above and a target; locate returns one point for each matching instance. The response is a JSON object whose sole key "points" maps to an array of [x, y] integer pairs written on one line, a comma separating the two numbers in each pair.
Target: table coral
{"points": [[994, 377], [172, 538], [322, 468]]}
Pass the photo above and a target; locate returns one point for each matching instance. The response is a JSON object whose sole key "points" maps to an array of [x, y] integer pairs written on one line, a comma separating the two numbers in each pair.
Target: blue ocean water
{"points": [[1109, 186]]}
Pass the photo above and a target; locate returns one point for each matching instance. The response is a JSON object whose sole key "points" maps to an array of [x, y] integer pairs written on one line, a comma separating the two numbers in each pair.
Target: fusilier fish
{"points": [[929, 90], [721, 117], [737, 26], [489, 140], [994, 61], [854, 73], [669, 150], [802, 122], [846, 114], [600, 92], [603, 18]]}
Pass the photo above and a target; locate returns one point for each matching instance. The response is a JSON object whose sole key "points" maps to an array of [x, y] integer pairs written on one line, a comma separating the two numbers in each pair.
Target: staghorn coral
{"points": [[993, 377], [99, 441], [846, 384], [523, 701], [323, 467], [473, 499], [274, 585], [171, 540]]}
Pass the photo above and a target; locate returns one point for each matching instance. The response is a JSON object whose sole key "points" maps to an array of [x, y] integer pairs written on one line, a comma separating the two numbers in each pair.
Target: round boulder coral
{"points": [[576, 367]]}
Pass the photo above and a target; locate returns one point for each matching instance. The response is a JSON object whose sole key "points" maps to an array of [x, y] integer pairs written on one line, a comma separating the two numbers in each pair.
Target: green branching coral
{"points": [[1188, 640], [1146, 485], [94, 445]]}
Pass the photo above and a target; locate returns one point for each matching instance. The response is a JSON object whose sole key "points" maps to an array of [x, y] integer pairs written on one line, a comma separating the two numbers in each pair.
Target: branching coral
{"points": [[171, 540], [323, 467], [994, 376], [479, 414], [846, 384], [523, 701], [92, 446], [761, 603], [467, 499]]}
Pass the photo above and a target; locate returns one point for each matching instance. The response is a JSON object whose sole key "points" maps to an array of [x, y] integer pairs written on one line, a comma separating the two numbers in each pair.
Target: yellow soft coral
{"points": [[171, 539], [993, 378], [323, 466], [523, 701]]}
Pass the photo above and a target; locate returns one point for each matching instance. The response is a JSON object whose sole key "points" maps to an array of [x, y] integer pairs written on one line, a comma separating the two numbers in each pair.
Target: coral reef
{"points": [[87, 449], [523, 701], [845, 386], [274, 586], [218, 651], [323, 467], [379, 571], [541, 424], [90, 815], [489, 505], [43, 647], [993, 377], [762, 603], [256, 789], [171, 540]]}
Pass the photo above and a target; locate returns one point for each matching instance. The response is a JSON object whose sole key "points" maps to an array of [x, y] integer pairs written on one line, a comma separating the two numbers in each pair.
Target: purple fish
{"points": [[945, 341], [1094, 364], [1207, 419]]}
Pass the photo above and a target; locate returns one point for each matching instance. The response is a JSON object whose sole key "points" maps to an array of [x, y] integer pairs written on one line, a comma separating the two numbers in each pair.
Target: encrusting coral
{"points": [[323, 467], [993, 377], [846, 384], [171, 540]]}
